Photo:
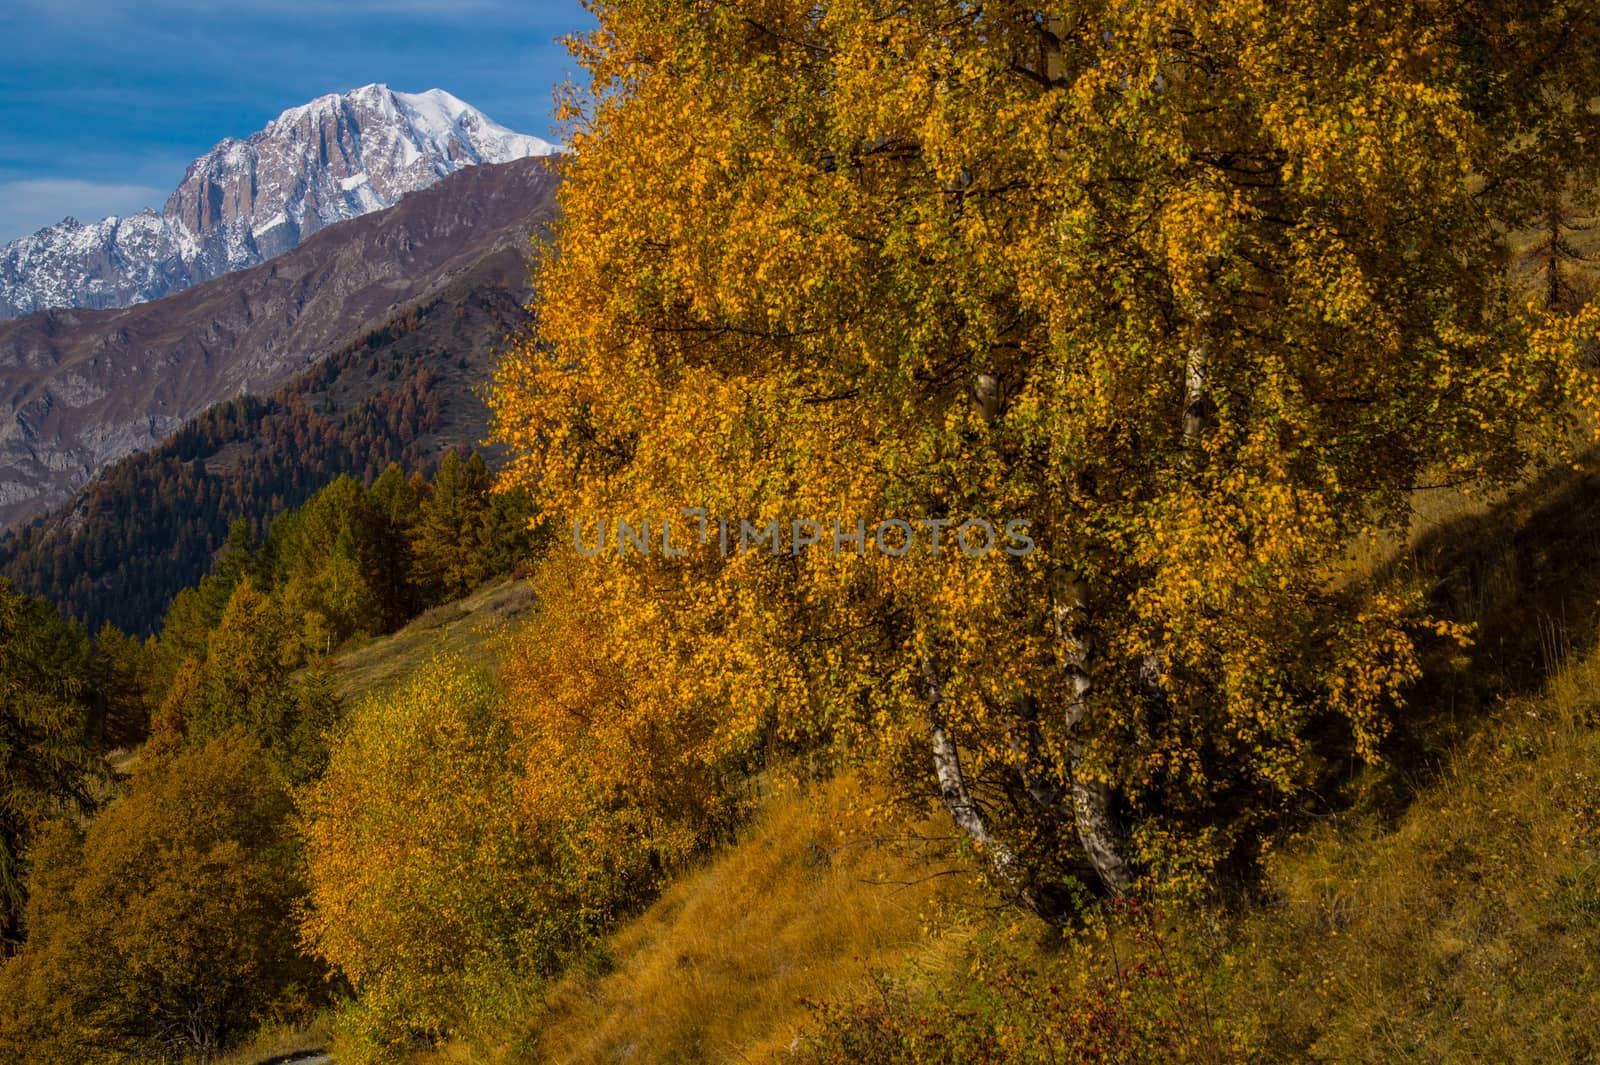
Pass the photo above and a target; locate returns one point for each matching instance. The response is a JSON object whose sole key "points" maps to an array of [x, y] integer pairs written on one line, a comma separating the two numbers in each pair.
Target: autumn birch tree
{"points": [[1203, 292]]}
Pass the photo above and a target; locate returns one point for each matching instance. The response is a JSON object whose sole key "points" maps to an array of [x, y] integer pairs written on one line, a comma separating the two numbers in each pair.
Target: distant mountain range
{"points": [[150, 524], [80, 389], [246, 201]]}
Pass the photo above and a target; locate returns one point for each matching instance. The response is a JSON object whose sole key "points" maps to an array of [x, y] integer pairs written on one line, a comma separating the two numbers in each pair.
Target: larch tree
{"points": [[396, 501], [449, 555], [1202, 293], [48, 764], [330, 565], [164, 930], [250, 680]]}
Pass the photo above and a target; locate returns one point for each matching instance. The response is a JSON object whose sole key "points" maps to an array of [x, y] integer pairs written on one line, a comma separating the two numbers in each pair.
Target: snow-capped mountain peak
{"points": [[337, 157]]}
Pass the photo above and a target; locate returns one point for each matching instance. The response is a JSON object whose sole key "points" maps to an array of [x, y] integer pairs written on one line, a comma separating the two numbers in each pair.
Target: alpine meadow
{"points": [[1007, 535]]}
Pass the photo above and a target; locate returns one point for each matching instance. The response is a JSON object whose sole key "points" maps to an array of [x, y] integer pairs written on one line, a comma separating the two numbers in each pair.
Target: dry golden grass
{"points": [[1470, 931], [278, 1044], [1464, 928], [806, 906], [1450, 912]]}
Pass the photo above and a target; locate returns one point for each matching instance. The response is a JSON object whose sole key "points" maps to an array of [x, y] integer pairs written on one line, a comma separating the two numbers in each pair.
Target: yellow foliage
{"points": [[421, 872], [630, 779], [165, 928], [1203, 293]]}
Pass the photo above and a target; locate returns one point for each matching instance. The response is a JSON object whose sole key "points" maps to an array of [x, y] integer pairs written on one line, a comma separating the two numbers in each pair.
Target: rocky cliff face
{"points": [[81, 388], [243, 202]]}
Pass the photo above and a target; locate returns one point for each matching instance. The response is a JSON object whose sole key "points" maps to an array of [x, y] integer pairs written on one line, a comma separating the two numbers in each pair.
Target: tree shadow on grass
{"points": [[1526, 576]]}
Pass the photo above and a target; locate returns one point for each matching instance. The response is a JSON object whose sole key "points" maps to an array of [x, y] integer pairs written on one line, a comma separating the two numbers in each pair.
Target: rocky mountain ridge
{"points": [[80, 389], [246, 201]]}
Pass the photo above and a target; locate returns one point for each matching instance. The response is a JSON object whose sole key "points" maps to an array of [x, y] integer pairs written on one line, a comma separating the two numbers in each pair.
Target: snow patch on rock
{"points": [[334, 158]]}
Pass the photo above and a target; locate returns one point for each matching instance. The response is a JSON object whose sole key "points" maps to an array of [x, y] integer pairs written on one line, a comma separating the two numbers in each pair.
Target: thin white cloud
{"points": [[26, 206]]}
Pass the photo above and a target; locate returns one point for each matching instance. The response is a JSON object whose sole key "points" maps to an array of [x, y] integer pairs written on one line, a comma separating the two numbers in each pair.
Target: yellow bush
{"points": [[421, 871]]}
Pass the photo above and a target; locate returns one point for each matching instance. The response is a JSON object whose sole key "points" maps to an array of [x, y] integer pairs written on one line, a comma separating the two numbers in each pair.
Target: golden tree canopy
{"points": [[1202, 292]]}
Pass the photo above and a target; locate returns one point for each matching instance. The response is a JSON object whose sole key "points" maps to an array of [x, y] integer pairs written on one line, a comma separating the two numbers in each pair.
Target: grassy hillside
{"points": [[810, 903], [1466, 930], [1443, 906], [468, 627]]}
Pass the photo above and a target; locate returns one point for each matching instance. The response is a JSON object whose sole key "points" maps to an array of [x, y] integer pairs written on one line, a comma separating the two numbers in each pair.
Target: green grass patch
{"points": [[470, 627]]}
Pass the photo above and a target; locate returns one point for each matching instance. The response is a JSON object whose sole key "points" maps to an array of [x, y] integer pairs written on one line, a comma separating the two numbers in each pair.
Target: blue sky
{"points": [[103, 104]]}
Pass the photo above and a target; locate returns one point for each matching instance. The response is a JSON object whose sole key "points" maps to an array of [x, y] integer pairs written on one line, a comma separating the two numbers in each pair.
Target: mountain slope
{"points": [[405, 392], [80, 389], [245, 201], [1442, 906]]}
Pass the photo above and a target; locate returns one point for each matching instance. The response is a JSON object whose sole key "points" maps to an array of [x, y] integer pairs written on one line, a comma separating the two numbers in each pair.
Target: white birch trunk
{"points": [[959, 800], [1196, 369], [1091, 799]]}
